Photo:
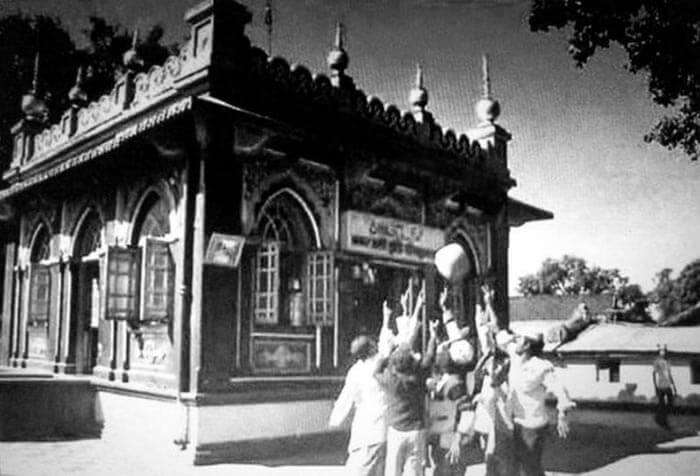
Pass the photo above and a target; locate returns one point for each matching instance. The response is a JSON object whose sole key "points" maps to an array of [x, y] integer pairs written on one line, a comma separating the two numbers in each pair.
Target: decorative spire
{"points": [[419, 95], [77, 95], [486, 79], [487, 108], [131, 58], [33, 107], [338, 59], [267, 17], [35, 78]]}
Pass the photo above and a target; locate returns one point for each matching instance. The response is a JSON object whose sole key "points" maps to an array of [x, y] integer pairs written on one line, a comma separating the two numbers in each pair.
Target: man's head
{"points": [[529, 345], [363, 347], [402, 359], [662, 351]]}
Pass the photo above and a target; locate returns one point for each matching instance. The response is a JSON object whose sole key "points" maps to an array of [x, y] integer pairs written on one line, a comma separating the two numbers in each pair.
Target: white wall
{"points": [[222, 423], [579, 376]]}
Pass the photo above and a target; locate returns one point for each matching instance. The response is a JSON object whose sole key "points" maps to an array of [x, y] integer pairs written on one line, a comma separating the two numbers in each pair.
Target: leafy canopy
{"points": [[571, 276], [662, 41], [22, 36]]}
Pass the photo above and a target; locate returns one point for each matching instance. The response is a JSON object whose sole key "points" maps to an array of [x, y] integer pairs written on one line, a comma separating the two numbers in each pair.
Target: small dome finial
{"points": [[419, 95], [487, 108], [77, 95], [33, 107], [338, 59], [131, 58]]}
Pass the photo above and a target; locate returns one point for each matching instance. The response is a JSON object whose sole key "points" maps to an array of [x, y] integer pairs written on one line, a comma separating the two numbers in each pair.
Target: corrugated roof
{"points": [[555, 308], [623, 337], [629, 337]]}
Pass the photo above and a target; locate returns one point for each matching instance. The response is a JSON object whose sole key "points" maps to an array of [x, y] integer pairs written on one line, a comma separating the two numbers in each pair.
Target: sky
{"points": [[577, 147]]}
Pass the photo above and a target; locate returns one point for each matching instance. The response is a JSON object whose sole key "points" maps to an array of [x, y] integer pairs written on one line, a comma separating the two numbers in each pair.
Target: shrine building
{"points": [[203, 242]]}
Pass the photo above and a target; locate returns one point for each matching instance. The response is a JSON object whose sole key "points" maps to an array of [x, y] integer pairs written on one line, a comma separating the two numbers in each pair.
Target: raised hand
{"points": [[488, 294], [404, 301], [444, 294], [562, 425], [433, 328], [386, 311]]}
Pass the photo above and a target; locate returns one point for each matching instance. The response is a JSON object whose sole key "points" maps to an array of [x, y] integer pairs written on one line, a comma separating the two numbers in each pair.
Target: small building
{"points": [[204, 241], [614, 362]]}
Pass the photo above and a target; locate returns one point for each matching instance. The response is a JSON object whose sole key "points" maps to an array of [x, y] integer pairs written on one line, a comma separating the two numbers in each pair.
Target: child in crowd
{"points": [[402, 374]]}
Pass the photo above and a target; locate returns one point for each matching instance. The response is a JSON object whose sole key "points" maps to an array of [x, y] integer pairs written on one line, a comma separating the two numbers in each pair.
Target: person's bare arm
{"points": [[414, 323]]}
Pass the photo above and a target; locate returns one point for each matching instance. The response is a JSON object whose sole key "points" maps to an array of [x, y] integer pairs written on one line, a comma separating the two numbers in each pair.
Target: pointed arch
{"points": [[88, 232], [310, 220]]}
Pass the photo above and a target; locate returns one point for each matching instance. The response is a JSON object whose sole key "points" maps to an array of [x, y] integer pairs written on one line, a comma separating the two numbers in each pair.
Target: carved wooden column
{"points": [[7, 305]]}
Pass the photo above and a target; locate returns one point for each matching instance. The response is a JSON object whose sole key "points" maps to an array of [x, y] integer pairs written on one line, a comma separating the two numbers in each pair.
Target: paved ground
{"points": [[598, 451]]}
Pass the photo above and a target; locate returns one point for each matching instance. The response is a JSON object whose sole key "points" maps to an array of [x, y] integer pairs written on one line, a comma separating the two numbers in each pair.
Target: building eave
{"points": [[520, 213]]}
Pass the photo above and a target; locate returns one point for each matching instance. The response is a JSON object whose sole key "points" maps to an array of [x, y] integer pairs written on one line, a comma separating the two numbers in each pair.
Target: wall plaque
{"points": [[389, 238], [224, 250]]}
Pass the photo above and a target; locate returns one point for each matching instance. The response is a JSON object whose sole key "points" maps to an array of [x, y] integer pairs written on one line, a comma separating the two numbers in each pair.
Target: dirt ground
{"points": [[590, 450]]}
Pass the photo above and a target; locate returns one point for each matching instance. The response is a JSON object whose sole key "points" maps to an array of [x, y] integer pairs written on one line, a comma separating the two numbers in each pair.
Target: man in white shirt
{"points": [[367, 446], [529, 380]]}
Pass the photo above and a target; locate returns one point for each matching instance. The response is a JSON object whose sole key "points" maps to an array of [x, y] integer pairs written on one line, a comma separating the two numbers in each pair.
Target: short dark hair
{"points": [[535, 345], [363, 347]]}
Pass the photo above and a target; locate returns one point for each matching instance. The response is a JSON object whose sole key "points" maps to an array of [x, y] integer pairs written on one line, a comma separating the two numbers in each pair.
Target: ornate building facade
{"points": [[207, 239]]}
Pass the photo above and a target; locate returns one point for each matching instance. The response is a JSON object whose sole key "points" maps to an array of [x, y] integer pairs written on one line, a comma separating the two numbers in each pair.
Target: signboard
{"points": [[389, 238], [224, 250]]}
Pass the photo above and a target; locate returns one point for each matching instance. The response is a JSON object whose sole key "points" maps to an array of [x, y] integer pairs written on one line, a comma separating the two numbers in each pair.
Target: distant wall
{"points": [[579, 377], [549, 307]]}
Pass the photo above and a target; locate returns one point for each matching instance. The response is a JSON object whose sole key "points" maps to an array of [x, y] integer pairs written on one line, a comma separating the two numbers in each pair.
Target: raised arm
{"points": [[386, 335], [415, 321], [429, 355]]}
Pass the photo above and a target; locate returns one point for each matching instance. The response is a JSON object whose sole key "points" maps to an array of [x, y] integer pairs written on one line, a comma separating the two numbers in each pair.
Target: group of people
{"points": [[393, 385]]}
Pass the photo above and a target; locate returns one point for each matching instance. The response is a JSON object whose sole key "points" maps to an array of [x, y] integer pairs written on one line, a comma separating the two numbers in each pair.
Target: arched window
{"points": [[89, 239], [39, 278], [293, 278], [140, 278]]}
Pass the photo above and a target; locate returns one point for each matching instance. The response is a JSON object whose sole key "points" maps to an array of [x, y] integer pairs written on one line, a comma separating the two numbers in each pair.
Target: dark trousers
{"points": [[665, 402], [528, 445]]}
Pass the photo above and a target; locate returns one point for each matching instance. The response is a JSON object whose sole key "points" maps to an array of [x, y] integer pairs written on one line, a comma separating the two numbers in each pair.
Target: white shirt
{"points": [[363, 393], [529, 382]]}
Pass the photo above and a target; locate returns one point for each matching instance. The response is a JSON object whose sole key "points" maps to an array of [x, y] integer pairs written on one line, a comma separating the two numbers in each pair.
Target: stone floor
{"points": [[592, 450]]}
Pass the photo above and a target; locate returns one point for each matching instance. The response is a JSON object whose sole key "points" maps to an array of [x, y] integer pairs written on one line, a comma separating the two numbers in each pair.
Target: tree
{"points": [[675, 296], [661, 39], [571, 276], [22, 37]]}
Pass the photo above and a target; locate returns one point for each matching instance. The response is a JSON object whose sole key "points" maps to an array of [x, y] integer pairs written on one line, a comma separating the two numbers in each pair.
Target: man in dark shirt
{"points": [[403, 375]]}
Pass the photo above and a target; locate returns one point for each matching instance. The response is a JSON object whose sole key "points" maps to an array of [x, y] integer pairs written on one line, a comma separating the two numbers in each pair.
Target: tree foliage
{"points": [[674, 296], [662, 41], [570, 276], [22, 36]]}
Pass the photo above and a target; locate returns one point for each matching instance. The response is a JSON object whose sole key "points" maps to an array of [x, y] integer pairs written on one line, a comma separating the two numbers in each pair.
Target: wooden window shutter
{"points": [[320, 288], [122, 283], [158, 281], [267, 283], [40, 292]]}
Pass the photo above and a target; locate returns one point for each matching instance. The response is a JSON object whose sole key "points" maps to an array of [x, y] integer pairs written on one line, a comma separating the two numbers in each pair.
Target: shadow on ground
{"points": [[593, 446], [588, 448]]}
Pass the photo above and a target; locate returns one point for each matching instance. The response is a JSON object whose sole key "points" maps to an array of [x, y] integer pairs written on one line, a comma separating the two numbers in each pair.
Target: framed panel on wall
{"points": [[281, 356]]}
